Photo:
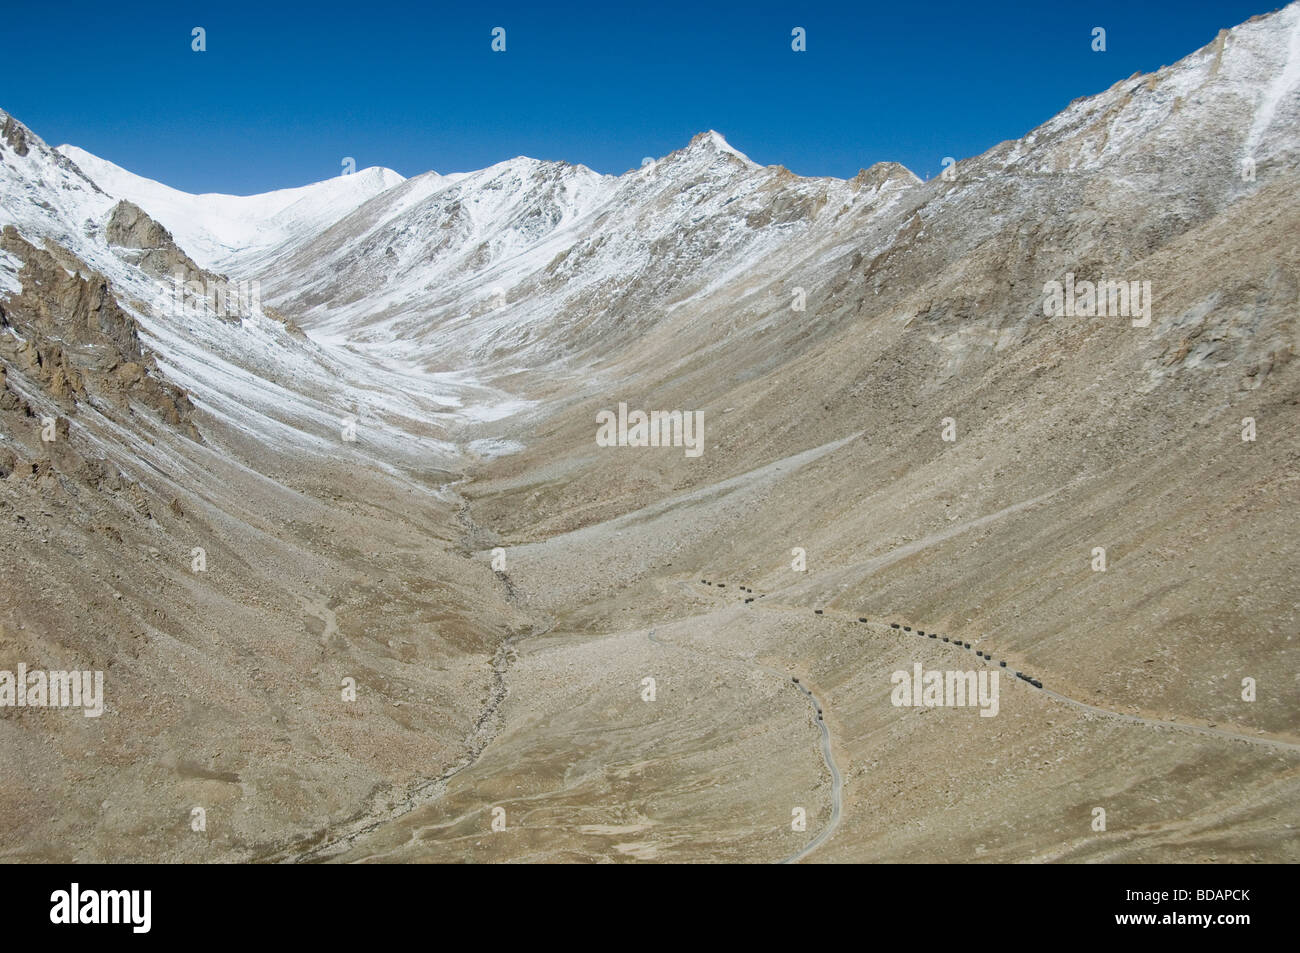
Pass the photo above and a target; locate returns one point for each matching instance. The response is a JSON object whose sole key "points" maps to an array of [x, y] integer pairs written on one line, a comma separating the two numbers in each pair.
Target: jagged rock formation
{"points": [[76, 340], [357, 485]]}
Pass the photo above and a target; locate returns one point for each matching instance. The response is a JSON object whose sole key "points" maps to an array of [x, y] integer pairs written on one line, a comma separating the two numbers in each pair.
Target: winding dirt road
{"points": [[1208, 730], [339, 839], [837, 787], [828, 756]]}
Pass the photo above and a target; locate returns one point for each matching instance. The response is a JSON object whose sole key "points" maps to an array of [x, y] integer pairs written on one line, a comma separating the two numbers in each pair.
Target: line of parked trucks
{"points": [[906, 628]]}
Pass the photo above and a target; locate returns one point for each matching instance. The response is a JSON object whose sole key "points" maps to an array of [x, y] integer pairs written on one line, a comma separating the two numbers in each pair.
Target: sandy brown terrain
{"points": [[503, 713]]}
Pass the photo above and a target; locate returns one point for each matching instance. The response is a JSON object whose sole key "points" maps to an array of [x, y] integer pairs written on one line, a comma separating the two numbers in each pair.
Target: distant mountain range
{"points": [[350, 401]]}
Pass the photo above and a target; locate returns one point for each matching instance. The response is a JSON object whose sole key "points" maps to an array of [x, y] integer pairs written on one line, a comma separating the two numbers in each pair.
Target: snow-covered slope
{"points": [[222, 232], [528, 263], [254, 375], [547, 257], [825, 329]]}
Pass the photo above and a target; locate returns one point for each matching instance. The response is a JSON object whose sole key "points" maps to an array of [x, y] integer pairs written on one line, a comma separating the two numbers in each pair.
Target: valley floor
{"points": [[581, 764]]}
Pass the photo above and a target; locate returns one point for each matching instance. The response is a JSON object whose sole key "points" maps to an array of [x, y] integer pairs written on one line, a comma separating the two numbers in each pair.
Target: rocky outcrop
{"points": [[145, 243], [13, 133], [130, 227], [71, 340]]}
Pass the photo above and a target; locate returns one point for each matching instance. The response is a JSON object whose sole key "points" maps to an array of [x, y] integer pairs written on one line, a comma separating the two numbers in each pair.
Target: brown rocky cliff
{"points": [[71, 339]]}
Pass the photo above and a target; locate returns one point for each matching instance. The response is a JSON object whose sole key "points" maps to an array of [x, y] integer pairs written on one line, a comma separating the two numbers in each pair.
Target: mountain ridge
{"points": [[407, 495]]}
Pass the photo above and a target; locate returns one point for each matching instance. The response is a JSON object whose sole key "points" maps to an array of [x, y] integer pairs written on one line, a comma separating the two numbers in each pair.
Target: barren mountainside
{"points": [[384, 460]]}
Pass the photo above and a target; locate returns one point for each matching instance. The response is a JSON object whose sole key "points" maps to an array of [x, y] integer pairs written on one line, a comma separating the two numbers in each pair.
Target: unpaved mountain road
{"points": [[828, 756], [1178, 726], [837, 786], [1209, 730], [341, 839]]}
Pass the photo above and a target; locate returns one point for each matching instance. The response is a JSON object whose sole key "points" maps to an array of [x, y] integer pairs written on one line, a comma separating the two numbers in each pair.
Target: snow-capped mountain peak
{"points": [[217, 229], [711, 142]]}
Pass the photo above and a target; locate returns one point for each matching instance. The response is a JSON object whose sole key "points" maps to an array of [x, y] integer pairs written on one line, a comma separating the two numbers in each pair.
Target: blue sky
{"points": [[281, 96]]}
